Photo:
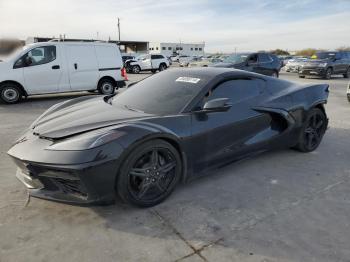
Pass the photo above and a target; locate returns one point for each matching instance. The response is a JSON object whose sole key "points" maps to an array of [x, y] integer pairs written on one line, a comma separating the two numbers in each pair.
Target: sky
{"points": [[244, 25]]}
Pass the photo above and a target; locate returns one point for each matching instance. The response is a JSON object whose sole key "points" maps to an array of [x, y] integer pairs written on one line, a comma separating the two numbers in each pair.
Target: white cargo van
{"points": [[56, 67]]}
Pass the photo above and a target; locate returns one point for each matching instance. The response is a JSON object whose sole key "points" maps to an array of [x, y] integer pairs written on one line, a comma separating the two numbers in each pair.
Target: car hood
{"points": [[317, 61], [81, 115]]}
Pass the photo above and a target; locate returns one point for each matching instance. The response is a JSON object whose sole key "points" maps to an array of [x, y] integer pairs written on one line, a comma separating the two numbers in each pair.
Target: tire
{"points": [[300, 76], [312, 131], [347, 73], [136, 69], [106, 87], [10, 93], [328, 74], [274, 74], [143, 180], [162, 67]]}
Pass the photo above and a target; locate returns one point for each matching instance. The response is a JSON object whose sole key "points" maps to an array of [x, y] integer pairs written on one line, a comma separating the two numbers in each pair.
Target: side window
{"points": [[253, 58], [157, 57], [238, 90], [38, 56], [264, 58]]}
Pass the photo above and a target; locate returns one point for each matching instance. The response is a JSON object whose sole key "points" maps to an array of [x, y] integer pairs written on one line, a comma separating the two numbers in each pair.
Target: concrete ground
{"points": [[280, 206]]}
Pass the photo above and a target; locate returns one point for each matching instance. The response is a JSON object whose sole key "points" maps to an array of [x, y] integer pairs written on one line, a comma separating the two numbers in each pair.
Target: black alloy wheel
{"points": [[149, 174], [312, 131], [328, 73]]}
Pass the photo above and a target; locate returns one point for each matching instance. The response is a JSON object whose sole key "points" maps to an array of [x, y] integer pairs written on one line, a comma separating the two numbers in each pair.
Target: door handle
{"points": [[75, 66], [55, 67]]}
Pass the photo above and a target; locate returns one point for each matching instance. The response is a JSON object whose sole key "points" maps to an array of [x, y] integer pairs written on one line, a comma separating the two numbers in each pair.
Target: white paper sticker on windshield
{"points": [[188, 79]]}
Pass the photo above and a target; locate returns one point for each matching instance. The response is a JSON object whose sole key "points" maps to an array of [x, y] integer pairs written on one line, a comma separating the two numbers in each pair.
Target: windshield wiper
{"points": [[133, 109]]}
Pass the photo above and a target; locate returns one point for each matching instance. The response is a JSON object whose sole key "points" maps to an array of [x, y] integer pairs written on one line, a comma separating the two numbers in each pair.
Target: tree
{"points": [[306, 52], [279, 52], [343, 48]]}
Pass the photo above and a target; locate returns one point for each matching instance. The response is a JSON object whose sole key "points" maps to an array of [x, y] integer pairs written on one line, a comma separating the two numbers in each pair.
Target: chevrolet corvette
{"points": [[162, 131]]}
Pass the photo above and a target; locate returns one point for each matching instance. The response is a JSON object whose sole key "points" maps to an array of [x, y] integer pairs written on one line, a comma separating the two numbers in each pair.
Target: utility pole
{"points": [[118, 28]]}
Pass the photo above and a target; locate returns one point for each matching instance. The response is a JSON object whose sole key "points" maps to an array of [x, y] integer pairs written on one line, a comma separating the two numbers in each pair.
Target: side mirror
{"points": [[28, 61], [218, 104]]}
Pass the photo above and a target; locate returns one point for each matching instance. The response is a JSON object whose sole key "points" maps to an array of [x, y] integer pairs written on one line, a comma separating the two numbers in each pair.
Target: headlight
{"points": [[87, 140], [322, 64]]}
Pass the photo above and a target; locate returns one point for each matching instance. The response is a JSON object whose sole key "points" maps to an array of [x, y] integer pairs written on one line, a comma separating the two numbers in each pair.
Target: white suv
{"points": [[148, 63]]}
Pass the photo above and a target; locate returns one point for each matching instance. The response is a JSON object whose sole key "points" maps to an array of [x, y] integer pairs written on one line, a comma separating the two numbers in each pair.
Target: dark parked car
{"points": [[261, 63], [168, 128], [327, 64]]}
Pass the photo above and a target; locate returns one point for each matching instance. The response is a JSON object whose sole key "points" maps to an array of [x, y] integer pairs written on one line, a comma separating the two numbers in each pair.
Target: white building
{"points": [[168, 49]]}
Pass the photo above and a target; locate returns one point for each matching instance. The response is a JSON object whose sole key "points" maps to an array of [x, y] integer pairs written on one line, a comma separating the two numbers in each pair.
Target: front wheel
{"points": [[162, 67], [136, 69], [10, 93], [149, 173], [328, 74], [312, 130]]}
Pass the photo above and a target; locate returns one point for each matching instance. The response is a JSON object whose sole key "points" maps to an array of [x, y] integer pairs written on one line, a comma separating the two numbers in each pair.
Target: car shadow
{"points": [[256, 193]]}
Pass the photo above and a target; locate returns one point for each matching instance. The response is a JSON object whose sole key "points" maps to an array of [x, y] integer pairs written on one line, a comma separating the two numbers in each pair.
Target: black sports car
{"points": [[168, 128]]}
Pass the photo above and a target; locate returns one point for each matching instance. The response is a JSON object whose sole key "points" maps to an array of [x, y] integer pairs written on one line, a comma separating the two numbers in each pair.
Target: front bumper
{"points": [[312, 71], [87, 182], [293, 69]]}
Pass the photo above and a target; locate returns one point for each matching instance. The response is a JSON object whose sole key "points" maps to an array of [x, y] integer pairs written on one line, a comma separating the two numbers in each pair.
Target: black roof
{"points": [[210, 72]]}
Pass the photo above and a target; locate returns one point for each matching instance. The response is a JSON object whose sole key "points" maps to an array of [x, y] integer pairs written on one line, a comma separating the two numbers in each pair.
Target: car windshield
{"points": [[325, 55], [142, 57], [165, 93], [236, 58]]}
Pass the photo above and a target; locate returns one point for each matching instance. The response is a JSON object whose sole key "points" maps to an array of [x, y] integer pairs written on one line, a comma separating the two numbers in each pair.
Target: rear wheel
{"points": [[10, 93], [301, 76], [328, 73], [312, 131], [149, 173], [106, 87], [347, 73]]}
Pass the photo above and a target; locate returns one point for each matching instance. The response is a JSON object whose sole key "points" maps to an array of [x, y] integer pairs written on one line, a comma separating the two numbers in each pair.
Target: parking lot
{"points": [[279, 206]]}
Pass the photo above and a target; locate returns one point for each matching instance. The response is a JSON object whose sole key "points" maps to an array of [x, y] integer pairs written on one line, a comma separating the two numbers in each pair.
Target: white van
{"points": [[56, 67]]}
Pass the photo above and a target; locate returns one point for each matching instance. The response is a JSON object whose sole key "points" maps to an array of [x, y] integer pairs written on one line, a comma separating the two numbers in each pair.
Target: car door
{"points": [[82, 66], [264, 64], [146, 63], [42, 69], [342, 62], [252, 64], [223, 136], [156, 59]]}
